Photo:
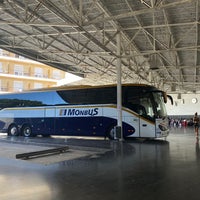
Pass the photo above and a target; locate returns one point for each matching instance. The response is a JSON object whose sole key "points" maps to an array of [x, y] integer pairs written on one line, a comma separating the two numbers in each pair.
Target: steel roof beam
{"points": [[135, 13]]}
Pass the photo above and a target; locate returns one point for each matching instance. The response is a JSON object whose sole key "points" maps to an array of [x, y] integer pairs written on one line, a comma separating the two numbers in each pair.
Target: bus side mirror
{"points": [[165, 96], [171, 99]]}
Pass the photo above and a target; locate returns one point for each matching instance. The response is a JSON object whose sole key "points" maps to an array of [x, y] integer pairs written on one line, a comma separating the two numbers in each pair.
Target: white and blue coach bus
{"points": [[85, 111]]}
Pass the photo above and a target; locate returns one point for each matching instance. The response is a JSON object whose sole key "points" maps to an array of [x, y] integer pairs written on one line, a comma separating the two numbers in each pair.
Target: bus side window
{"points": [[133, 101], [137, 108], [141, 110]]}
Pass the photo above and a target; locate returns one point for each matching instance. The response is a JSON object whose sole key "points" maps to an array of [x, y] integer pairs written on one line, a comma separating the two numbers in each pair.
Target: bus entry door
{"points": [[147, 129]]}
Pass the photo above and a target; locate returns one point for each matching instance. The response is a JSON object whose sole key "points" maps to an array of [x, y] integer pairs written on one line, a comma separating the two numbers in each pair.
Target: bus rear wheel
{"points": [[26, 131], [13, 130]]}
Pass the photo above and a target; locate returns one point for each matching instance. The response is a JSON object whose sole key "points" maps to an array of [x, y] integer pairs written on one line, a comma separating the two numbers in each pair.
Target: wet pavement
{"points": [[98, 169]]}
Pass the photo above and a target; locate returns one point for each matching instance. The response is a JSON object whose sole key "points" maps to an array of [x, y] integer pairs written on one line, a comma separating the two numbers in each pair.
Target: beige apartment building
{"points": [[18, 73]]}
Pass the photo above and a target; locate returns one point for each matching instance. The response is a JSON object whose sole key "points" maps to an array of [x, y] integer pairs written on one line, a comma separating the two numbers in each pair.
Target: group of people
{"points": [[196, 122], [177, 122]]}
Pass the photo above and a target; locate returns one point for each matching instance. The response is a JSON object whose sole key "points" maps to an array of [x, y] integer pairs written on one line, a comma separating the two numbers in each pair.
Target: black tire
{"points": [[26, 131], [13, 130]]}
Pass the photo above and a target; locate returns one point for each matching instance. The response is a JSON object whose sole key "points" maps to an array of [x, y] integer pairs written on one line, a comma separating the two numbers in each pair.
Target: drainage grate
{"points": [[47, 152]]}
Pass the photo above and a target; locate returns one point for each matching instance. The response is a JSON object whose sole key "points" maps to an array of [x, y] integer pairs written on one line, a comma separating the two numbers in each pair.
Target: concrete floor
{"points": [[98, 169]]}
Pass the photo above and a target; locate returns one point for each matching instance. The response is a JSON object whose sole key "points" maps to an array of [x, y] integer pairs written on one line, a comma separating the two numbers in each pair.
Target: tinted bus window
{"points": [[89, 96], [30, 99], [140, 101]]}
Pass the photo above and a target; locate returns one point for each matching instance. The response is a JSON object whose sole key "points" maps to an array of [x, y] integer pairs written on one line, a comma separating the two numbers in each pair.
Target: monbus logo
{"points": [[79, 112]]}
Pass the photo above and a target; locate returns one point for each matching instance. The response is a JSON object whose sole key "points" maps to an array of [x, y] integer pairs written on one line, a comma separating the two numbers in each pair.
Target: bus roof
{"points": [[78, 87]]}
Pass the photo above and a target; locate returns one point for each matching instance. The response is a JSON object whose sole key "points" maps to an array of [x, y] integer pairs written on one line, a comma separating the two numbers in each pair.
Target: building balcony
{"points": [[26, 76]]}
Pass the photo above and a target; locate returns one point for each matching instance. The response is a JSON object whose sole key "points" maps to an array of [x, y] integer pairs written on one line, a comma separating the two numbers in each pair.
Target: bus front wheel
{"points": [[26, 131], [13, 130]]}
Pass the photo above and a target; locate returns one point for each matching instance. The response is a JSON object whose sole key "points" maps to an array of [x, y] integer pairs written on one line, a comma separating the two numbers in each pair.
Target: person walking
{"points": [[196, 124]]}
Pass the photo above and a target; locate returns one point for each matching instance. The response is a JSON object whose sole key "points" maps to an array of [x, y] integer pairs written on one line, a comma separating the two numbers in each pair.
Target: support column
{"points": [[119, 88]]}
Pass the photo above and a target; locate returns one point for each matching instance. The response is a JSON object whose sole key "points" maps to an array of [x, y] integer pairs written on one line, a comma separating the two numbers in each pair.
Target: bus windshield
{"points": [[148, 104], [160, 110]]}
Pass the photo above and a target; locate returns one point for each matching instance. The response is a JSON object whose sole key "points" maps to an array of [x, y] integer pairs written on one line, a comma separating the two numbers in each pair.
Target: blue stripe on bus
{"points": [[77, 126]]}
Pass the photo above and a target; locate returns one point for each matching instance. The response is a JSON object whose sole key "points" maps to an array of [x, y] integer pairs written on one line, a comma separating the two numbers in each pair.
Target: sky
{"points": [[69, 78]]}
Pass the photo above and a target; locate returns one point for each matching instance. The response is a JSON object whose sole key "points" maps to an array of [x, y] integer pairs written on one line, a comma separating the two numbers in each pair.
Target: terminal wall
{"points": [[184, 105]]}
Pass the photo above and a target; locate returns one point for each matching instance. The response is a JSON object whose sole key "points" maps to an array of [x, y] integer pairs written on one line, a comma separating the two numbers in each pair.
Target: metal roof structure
{"points": [[159, 45]]}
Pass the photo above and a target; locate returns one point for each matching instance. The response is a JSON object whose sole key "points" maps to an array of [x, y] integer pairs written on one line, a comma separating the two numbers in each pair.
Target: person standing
{"points": [[196, 124]]}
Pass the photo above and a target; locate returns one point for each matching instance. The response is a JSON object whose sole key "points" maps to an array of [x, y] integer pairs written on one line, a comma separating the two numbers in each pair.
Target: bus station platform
{"points": [[102, 169]]}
